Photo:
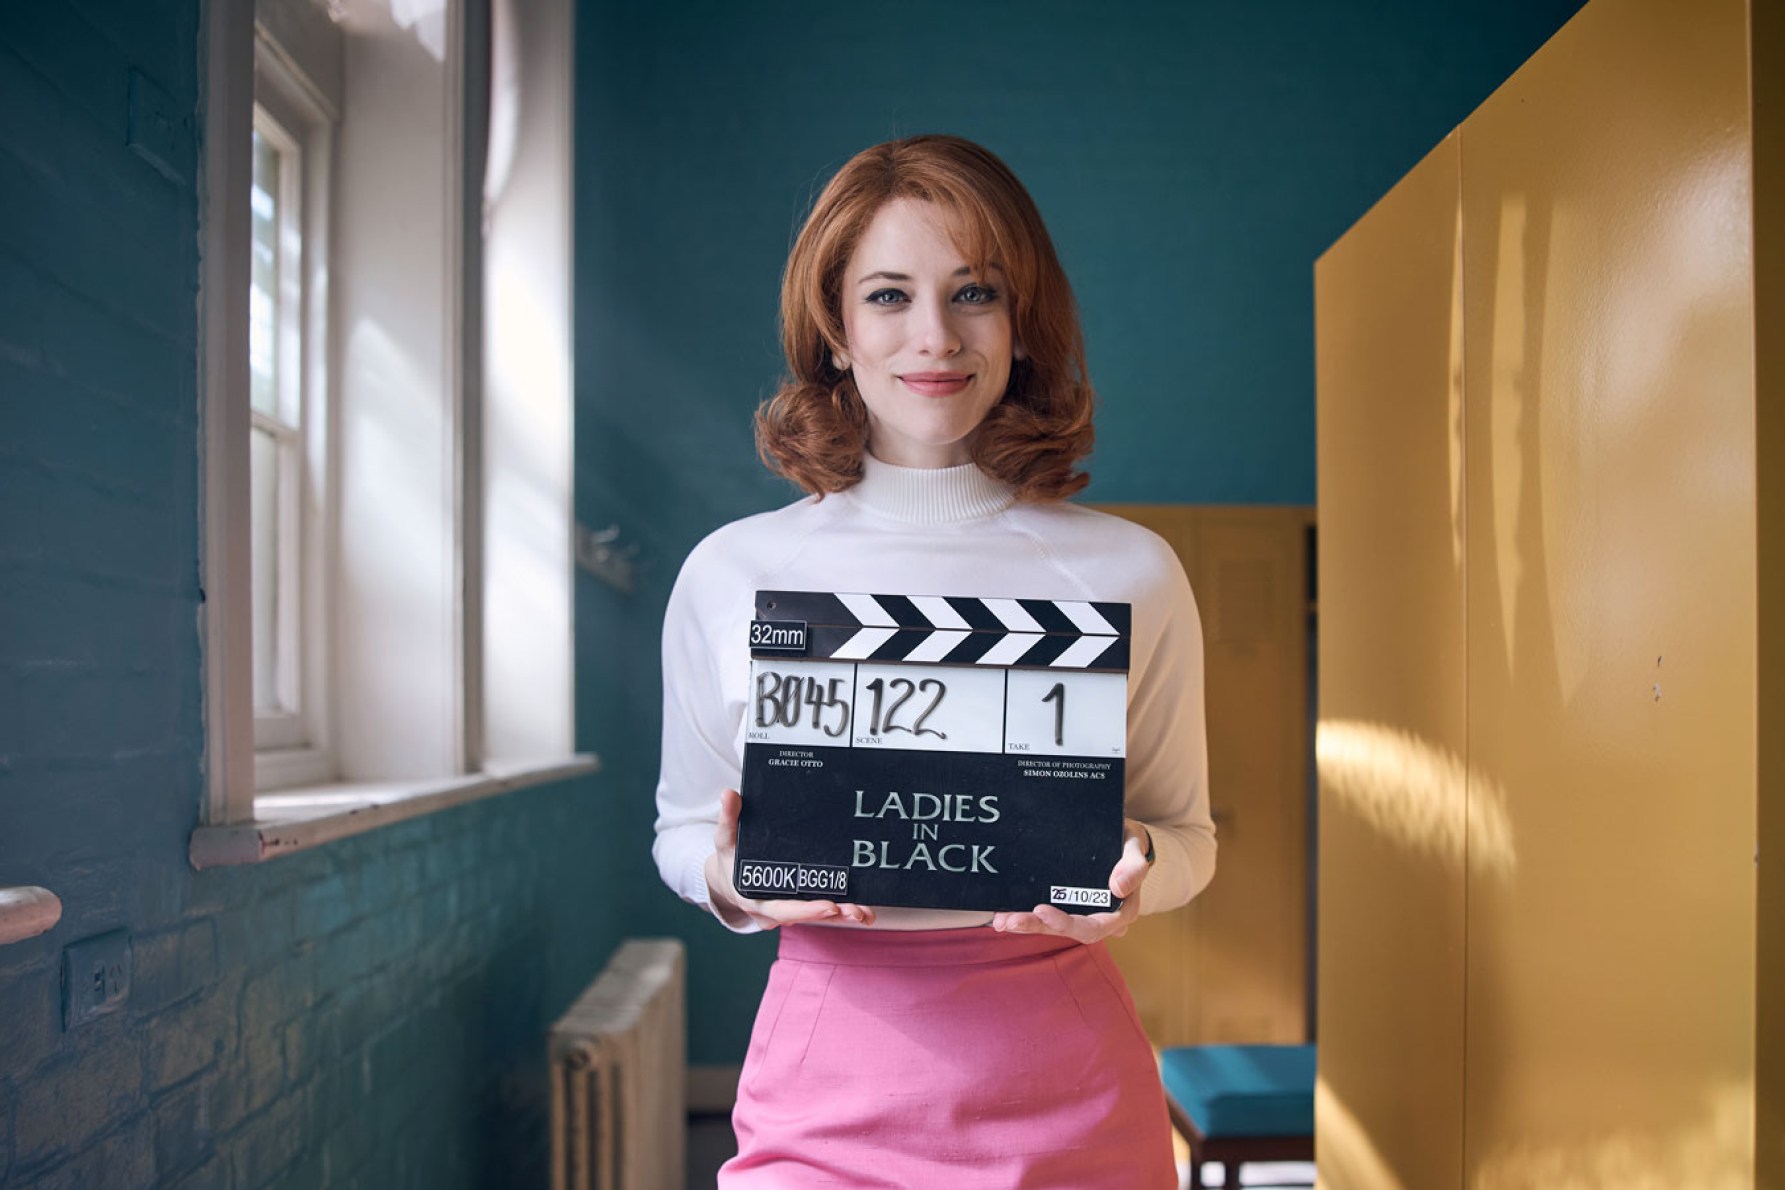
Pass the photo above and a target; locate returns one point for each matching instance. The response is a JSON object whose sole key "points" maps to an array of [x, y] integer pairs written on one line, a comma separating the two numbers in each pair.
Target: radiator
{"points": [[618, 1067]]}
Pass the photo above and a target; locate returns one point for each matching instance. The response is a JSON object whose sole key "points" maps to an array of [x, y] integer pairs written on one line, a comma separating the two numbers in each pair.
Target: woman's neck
{"points": [[930, 496]]}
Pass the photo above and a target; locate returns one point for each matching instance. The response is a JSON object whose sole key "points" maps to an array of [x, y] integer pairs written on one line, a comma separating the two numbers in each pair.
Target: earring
{"points": [[1017, 352], [837, 361]]}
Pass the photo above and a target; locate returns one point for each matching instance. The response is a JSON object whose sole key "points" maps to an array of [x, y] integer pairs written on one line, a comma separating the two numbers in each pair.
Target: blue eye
{"points": [[977, 295], [885, 297]]}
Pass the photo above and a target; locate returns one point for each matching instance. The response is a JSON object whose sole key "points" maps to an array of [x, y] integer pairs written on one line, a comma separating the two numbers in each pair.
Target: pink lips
{"points": [[936, 384]]}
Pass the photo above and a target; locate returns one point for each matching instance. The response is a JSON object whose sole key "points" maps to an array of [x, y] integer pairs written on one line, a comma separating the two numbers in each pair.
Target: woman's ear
{"points": [[839, 361]]}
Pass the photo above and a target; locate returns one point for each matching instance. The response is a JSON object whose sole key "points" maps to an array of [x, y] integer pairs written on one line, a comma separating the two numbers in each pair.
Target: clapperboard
{"points": [[931, 751]]}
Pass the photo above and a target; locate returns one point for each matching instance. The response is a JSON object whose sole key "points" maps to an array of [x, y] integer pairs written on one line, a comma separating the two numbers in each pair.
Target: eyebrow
{"points": [[883, 275]]}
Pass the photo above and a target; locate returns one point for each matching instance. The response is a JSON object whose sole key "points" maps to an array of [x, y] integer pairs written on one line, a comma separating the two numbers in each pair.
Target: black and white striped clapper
{"points": [[942, 752], [1057, 634]]}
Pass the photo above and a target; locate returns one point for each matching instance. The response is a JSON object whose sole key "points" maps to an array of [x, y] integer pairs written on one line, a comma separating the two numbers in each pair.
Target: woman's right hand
{"points": [[766, 914]]}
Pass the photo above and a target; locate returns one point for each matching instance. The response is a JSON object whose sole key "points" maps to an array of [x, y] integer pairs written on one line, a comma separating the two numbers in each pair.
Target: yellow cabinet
{"points": [[1232, 966], [1393, 698], [1550, 464]]}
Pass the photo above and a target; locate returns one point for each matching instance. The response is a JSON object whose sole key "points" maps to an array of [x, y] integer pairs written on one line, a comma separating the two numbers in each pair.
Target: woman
{"points": [[936, 410]]}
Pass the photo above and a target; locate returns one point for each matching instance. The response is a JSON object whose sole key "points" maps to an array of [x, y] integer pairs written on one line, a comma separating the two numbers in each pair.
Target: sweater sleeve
{"points": [[700, 726], [1168, 772]]}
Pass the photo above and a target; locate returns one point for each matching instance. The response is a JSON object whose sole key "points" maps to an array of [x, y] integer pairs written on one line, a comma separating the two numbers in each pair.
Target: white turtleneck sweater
{"points": [[954, 531]]}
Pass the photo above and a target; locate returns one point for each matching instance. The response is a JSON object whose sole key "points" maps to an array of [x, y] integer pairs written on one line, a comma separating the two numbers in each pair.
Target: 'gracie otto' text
{"points": [[927, 813]]}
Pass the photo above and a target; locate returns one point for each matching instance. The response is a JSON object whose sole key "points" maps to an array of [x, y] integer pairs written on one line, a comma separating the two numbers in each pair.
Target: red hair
{"points": [[815, 428]]}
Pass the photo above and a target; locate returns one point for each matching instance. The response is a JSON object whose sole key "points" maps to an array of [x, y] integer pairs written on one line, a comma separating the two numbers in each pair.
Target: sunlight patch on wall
{"points": [[1347, 1156], [1421, 796], [1710, 1152], [1507, 411]]}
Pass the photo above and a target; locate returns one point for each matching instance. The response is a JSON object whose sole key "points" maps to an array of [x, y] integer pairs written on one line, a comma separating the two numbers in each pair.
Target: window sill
{"points": [[297, 819], [277, 770]]}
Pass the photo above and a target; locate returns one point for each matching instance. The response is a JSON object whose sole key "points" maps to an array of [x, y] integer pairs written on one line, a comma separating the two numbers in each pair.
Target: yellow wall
{"points": [[1767, 46], [1539, 689], [1392, 695], [1609, 332]]}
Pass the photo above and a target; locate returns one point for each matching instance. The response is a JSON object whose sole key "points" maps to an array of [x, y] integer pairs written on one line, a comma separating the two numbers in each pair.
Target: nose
{"points": [[936, 332]]}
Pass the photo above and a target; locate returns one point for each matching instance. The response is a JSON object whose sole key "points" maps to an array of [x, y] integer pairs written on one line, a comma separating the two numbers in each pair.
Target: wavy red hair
{"points": [[814, 430]]}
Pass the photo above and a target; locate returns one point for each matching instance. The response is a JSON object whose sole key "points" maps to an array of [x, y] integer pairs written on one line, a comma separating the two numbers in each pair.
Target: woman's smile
{"points": [[937, 384]]}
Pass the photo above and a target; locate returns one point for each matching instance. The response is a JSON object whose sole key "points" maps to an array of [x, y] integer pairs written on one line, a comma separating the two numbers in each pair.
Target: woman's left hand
{"points": [[1125, 880]]}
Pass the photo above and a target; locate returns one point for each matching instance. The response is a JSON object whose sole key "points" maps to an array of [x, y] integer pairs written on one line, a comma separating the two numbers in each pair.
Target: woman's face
{"points": [[929, 338]]}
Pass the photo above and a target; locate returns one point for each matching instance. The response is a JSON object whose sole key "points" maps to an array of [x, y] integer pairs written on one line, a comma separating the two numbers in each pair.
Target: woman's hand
{"points": [[766, 914], [1125, 880]]}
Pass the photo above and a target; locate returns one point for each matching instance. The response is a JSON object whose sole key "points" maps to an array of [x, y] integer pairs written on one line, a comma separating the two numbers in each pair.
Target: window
{"points": [[275, 343], [373, 417], [287, 395]]}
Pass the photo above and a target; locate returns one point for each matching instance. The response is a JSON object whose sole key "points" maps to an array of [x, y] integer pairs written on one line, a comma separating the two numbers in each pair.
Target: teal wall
{"points": [[1192, 159]]}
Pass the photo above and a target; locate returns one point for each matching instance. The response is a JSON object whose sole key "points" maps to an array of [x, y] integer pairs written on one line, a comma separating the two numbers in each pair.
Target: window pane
{"points": [[263, 294], [264, 478]]}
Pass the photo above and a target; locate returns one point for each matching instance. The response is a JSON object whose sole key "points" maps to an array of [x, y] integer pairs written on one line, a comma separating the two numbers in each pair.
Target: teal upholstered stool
{"points": [[1240, 1103]]}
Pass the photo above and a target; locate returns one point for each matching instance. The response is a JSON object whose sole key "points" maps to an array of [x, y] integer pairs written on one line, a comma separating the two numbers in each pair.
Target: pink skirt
{"points": [[947, 1058]]}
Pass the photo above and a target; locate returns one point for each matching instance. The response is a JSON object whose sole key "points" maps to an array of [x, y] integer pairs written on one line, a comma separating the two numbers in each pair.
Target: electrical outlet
{"points": [[95, 977]]}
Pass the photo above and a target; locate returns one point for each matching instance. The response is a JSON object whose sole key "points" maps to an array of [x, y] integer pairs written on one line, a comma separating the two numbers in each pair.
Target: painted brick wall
{"points": [[368, 1014], [372, 1013]]}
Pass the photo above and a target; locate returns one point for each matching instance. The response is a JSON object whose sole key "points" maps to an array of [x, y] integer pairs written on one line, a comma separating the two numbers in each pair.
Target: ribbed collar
{"points": [[924, 496]]}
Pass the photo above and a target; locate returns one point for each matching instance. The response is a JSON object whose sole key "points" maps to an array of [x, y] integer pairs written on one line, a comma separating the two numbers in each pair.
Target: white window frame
{"points": [[344, 792]]}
